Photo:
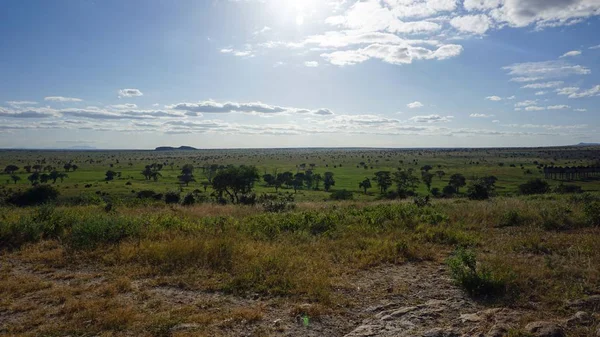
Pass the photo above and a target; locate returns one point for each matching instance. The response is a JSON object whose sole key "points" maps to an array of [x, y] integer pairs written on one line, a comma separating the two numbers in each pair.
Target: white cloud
{"points": [[541, 93], [534, 108], [481, 5], [62, 99], [393, 54], [311, 64], [595, 47], [594, 91], [494, 98], [476, 24], [544, 70], [18, 104], [480, 116], [210, 106], [567, 90], [124, 106], [543, 85], [580, 110], [544, 13], [28, 113], [558, 107], [263, 30], [525, 103], [431, 119], [571, 53], [415, 105], [511, 97], [130, 93]]}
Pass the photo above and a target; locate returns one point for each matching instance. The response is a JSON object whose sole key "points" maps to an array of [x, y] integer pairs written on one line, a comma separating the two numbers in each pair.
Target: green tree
{"points": [[440, 174], [34, 178], [110, 175], [406, 182], [27, 168], [10, 169], [457, 181], [427, 179], [235, 181], [328, 181], [154, 175], [365, 184], [186, 179], [15, 178], [317, 178], [44, 178], [383, 179]]}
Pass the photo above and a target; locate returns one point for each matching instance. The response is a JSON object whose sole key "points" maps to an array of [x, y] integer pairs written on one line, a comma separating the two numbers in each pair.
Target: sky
{"points": [[137, 74]]}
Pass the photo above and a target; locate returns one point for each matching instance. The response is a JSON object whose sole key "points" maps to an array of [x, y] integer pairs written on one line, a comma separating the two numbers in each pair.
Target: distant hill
{"points": [[171, 148], [588, 144]]}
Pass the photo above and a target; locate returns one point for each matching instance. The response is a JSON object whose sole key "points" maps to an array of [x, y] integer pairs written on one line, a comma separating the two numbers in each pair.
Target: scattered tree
{"points": [[383, 179], [328, 181], [365, 184]]}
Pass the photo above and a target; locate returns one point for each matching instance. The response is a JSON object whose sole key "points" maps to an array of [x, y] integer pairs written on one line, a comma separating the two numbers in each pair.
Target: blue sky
{"points": [[296, 73]]}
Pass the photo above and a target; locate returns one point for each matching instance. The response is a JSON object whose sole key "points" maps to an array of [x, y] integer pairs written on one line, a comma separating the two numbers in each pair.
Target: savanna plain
{"points": [[301, 242]]}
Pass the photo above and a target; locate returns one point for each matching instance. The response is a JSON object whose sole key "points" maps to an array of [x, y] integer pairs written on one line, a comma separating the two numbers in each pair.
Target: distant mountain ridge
{"points": [[588, 144], [171, 148]]}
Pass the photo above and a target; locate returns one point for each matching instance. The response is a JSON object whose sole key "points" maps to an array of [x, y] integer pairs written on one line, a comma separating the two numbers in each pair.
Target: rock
{"points": [[470, 318], [365, 331], [497, 331], [580, 318], [590, 303], [185, 326], [398, 313], [439, 332], [545, 329], [277, 322]]}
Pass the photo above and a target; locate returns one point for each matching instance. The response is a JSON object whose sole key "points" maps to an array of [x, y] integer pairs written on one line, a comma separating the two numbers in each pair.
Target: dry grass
{"points": [[138, 284]]}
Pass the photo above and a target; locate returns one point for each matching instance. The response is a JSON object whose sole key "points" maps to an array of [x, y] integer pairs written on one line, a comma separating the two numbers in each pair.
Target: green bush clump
{"points": [[341, 195], [592, 214], [43, 223], [103, 230], [476, 280], [36, 195], [172, 197], [535, 186], [511, 218]]}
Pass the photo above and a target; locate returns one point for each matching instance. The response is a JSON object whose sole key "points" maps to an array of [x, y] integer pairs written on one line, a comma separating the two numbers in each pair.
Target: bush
{"points": [[249, 199], [435, 191], [277, 203], [146, 194], [188, 200], [478, 191], [478, 281], [534, 186], [36, 195], [422, 201], [510, 219], [172, 197], [102, 230], [448, 191], [592, 214], [341, 195], [568, 189]]}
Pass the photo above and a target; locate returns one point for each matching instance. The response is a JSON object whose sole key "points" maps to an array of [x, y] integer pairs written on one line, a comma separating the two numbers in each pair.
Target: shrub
{"points": [[249, 199], [277, 203], [511, 218], [592, 214], [557, 218], [476, 280], [478, 191], [534, 186], [172, 197], [188, 200], [99, 230], [422, 201], [341, 195], [448, 191], [34, 196], [146, 194], [568, 189]]}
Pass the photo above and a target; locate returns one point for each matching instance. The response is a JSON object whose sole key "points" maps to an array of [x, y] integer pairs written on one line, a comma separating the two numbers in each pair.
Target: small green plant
{"points": [[592, 214], [510, 219], [477, 280]]}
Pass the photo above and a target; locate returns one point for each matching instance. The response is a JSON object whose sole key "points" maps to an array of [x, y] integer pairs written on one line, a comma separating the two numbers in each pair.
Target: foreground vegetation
{"points": [[520, 252]]}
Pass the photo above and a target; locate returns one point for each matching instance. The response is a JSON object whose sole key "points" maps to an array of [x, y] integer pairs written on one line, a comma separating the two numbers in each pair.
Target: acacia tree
{"points": [[328, 181], [317, 178], [15, 178], [110, 175], [10, 169], [365, 184], [27, 168], [427, 179], [235, 181], [457, 181], [440, 174], [405, 181], [383, 179], [34, 178]]}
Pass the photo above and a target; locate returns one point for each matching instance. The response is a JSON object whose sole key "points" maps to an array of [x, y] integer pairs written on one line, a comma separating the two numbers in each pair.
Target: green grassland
{"points": [[350, 166]]}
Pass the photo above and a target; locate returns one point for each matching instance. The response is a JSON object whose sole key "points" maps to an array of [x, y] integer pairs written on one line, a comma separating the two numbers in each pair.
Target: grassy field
{"points": [[152, 269], [350, 166]]}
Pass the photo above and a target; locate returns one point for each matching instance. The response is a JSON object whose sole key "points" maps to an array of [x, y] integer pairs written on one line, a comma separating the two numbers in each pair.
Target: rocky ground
{"points": [[413, 299]]}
